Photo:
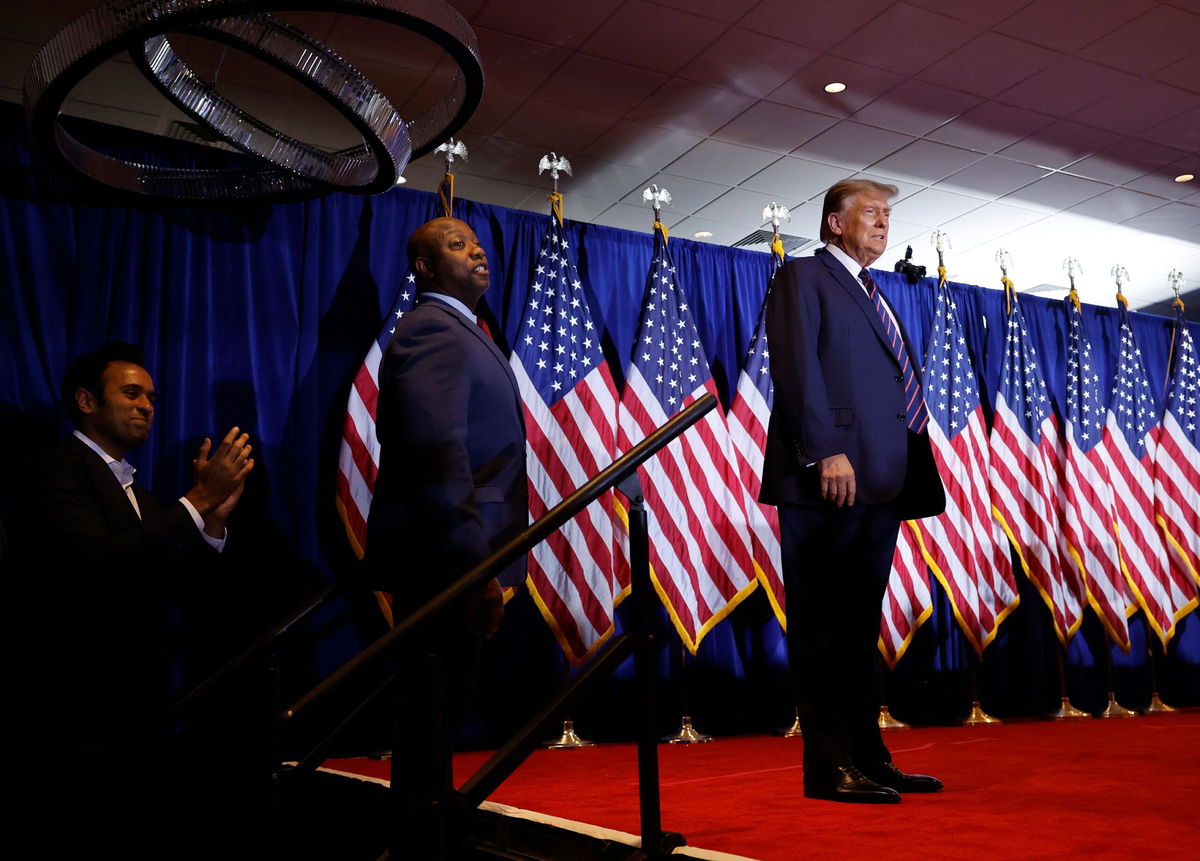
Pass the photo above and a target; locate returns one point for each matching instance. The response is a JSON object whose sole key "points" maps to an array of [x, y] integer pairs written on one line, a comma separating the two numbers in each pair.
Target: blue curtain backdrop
{"points": [[258, 315]]}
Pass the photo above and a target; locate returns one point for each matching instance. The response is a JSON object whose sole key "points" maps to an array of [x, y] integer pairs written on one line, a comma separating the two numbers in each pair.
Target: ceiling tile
{"points": [[606, 87], [975, 67], [596, 178], [1136, 107], [1161, 36], [996, 219], [880, 41], [806, 89], [536, 122], [495, 109], [794, 178], [495, 191], [500, 158], [925, 162], [992, 176], [1125, 160], [641, 145], [916, 108], [572, 24], [687, 195], [980, 14], [774, 127], [742, 207], [627, 217], [797, 22], [1173, 219], [1059, 145], [578, 207], [722, 162], [1161, 181], [514, 63], [1066, 87], [728, 11], [932, 207], [722, 233], [653, 37], [1184, 74], [853, 145], [1068, 25], [748, 62], [691, 107], [1056, 191], [1117, 204], [990, 127], [1181, 132], [364, 40]]}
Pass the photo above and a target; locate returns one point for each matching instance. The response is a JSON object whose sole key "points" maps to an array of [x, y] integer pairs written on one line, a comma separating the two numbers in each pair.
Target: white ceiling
{"points": [[1049, 128]]}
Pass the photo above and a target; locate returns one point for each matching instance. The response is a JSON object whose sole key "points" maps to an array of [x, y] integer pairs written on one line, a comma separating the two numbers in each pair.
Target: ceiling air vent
{"points": [[792, 245]]}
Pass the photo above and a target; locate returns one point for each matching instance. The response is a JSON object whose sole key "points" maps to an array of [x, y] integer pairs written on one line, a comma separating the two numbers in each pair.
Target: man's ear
{"points": [[421, 264], [85, 400], [834, 221]]}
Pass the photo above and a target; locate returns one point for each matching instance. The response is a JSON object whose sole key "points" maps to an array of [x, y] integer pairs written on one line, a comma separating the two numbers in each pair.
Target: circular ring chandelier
{"points": [[140, 27]]}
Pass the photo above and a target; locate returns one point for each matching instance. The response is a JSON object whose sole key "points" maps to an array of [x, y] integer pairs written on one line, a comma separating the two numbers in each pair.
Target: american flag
{"points": [[964, 546], [1128, 447], [358, 457], [1022, 468], [700, 555], [570, 418], [748, 419], [1177, 464], [907, 604], [1088, 535]]}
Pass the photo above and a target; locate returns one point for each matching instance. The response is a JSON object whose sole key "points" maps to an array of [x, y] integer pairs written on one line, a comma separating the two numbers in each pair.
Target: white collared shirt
{"points": [[854, 267], [124, 470]]}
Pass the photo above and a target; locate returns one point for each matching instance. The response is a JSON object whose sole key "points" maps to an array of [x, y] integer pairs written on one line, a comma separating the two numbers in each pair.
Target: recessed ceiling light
{"points": [[835, 87], [1185, 177], [400, 180], [703, 234]]}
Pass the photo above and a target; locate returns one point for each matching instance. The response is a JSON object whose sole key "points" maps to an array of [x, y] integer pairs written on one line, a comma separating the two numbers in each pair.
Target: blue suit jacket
{"points": [[839, 389], [452, 484]]}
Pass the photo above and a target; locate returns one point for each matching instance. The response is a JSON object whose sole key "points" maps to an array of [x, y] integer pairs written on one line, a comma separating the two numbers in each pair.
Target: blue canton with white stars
{"points": [[758, 357], [1132, 403], [951, 392], [1182, 399], [1022, 386], [557, 344], [405, 300], [668, 351], [1085, 408]]}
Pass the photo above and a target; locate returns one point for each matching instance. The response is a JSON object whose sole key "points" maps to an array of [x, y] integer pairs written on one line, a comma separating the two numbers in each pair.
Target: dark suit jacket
{"points": [[451, 485], [838, 389], [90, 589]]}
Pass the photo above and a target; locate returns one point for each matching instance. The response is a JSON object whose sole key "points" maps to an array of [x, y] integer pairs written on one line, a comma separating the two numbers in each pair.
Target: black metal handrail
{"points": [[538, 531]]}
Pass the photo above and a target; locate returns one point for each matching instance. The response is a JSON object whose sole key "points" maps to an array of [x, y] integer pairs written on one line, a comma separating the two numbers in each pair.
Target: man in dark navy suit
{"points": [[451, 489], [848, 459], [98, 565]]}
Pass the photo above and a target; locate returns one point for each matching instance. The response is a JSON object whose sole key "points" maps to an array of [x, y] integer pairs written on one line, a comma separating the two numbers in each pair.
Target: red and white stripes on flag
{"points": [[1128, 448], [1089, 540], [570, 419], [748, 419], [1022, 466], [907, 604], [700, 547], [358, 455], [964, 546], [1177, 462]]}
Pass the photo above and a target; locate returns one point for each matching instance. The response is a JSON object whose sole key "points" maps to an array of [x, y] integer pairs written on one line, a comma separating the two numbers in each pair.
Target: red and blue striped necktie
{"points": [[914, 409]]}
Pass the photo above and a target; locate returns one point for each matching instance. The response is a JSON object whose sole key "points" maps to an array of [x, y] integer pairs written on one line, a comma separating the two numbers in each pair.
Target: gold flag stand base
{"points": [[1066, 711], [1115, 710], [978, 717], [568, 739], [1157, 706], [793, 731], [687, 734], [886, 721]]}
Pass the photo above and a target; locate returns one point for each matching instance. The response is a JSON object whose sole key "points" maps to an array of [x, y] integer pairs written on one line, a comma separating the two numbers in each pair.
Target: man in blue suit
{"points": [[848, 459], [451, 489]]}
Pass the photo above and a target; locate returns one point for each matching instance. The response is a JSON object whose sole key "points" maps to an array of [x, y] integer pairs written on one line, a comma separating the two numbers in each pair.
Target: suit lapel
{"points": [[478, 332], [860, 298], [116, 504]]}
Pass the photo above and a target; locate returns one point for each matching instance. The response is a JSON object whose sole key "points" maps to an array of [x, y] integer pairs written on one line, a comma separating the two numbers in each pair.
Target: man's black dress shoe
{"points": [[886, 774], [847, 783]]}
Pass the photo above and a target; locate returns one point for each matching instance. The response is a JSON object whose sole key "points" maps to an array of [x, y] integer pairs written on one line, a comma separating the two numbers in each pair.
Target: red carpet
{"points": [[1097, 789]]}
